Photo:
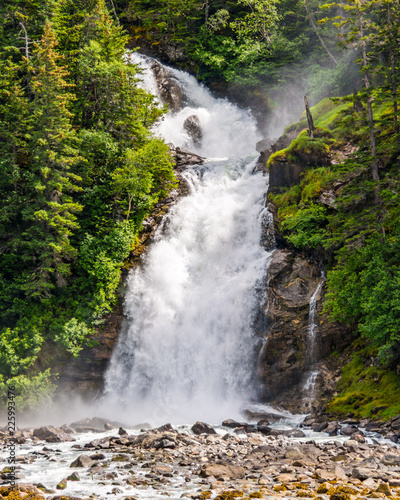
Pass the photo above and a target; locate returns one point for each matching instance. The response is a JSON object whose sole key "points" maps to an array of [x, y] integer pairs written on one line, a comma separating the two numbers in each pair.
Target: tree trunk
{"points": [[206, 11], [393, 74], [315, 28], [311, 127], [375, 172], [114, 11], [26, 39]]}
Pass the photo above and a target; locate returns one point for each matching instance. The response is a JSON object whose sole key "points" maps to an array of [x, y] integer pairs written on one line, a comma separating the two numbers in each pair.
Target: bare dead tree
{"points": [[310, 120], [26, 38]]}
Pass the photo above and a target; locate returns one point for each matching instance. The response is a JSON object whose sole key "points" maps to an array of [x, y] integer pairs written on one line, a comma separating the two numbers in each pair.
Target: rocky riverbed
{"points": [[97, 459]]}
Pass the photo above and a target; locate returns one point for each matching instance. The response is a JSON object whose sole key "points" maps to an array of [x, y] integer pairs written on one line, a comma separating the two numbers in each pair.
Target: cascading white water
{"points": [[188, 351], [312, 325], [309, 386], [227, 130]]}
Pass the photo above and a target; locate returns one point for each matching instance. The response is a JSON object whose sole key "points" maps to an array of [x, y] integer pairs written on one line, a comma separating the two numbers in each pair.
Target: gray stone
{"points": [[361, 473], [62, 484], [391, 460], [203, 428], [168, 86], [264, 144], [193, 128], [52, 435], [222, 470], [232, 424], [82, 461]]}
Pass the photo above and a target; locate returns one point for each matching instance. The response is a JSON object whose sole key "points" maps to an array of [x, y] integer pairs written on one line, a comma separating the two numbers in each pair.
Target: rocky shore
{"points": [[94, 459]]}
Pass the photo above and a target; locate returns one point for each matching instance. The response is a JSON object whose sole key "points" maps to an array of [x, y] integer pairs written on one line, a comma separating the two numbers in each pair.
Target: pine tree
{"points": [[52, 155]]}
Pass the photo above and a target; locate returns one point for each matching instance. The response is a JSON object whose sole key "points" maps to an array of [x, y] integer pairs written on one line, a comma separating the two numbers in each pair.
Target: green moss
{"points": [[227, 495], [280, 156], [305, 150], [367, 390]]}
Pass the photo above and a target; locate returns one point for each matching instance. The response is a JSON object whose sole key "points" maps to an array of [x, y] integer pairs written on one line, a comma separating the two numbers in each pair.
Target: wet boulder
{"points": [[203, 428], [51, 434], [82, 461], [232, 424], [168, 86], [193, 128]]}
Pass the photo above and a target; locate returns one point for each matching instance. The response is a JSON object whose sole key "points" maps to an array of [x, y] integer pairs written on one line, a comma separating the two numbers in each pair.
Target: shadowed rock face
{"points": [[283, 361], [168, 86], [284, 174]]}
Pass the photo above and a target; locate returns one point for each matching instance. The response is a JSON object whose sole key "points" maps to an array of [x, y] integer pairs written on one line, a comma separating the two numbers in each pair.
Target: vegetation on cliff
{"points": [[345, 210], [80, 172]]}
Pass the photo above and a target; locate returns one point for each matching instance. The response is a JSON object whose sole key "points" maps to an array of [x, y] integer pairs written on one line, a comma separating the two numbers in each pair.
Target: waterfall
{"points": [[312, 324], [188, 351], [309, 386]]}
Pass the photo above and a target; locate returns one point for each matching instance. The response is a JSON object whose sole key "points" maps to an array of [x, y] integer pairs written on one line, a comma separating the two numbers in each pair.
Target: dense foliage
{"points": [[79, 173], [254, 46]]}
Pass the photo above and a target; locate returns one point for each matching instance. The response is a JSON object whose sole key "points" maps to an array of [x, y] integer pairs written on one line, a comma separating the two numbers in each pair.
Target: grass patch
{"points": [[366, 390]]}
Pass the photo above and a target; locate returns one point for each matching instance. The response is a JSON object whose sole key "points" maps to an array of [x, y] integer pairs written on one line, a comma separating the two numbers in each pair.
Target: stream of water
{"points": [[188, 351]]}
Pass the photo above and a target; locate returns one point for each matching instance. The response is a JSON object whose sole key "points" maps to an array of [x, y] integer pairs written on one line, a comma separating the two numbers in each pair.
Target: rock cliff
{"points": [[284, 362]]}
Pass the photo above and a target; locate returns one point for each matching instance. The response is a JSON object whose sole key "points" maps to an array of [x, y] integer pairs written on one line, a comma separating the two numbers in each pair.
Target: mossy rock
{"points": [[227, 495], [340, 495], [300, 486], [279, 488]]}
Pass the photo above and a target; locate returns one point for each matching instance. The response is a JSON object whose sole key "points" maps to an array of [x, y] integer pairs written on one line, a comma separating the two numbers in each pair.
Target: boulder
{"points": [[62, 484], [74, 477], [203, 428], [94, 424], [193, 128], [349, 430], [264, 144], [184, 158], [223, 470], [168, 86], [391, 460], [163, 428], [232, 424], [163, 470], [163, 443], [294, 454], [82, 461], [284, 174], [361, 473], [52, 435]]}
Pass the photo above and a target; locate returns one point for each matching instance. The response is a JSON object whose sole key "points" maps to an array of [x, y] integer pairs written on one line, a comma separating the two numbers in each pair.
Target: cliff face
{"points": [[300, 360], [287, 358]]}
